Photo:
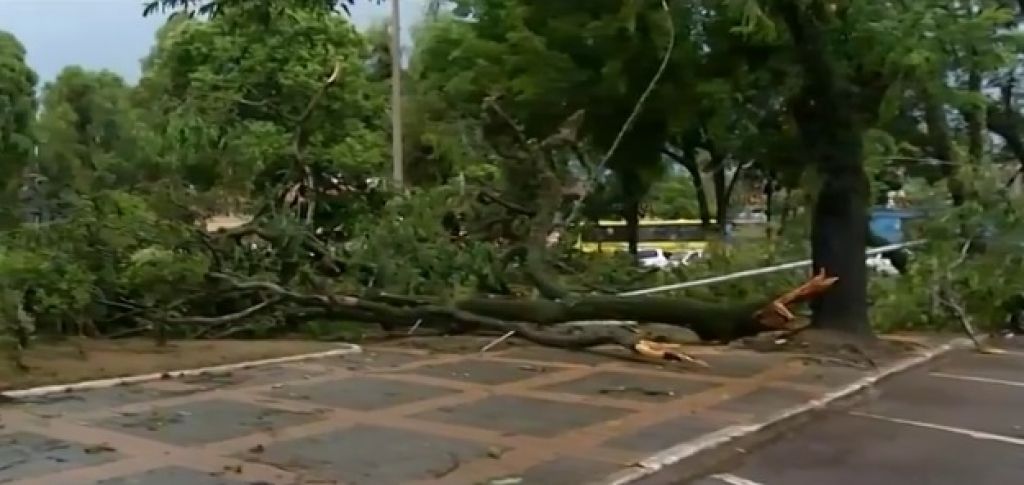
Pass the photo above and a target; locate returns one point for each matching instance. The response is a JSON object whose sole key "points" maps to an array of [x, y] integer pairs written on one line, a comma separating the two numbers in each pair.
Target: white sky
{"points": [[112, 34]]}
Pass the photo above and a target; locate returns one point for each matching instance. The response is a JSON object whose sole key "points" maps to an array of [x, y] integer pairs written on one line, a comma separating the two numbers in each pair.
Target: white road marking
{"points": [[733, 479], [986, 380], [682, 451], [949, 429]]}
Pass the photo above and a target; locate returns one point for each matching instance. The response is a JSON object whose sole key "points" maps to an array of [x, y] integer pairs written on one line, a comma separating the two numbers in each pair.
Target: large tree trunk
{"points": [[533, 319], [838, 240], [710, 321], [829, 133]]}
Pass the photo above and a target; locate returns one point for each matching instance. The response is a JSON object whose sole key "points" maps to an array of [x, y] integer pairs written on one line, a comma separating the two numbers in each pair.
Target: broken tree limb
{"points": [[946, 296], [537, 320], [373, 312], [222, 319], [710, 321]]}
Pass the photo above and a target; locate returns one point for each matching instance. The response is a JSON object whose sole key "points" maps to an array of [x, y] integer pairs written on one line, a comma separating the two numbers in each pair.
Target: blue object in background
{"points": [[888, 223]]}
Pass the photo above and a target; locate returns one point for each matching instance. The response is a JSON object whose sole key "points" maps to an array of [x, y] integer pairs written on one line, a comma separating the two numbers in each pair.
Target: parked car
{"points": [[684, 258], [881, 265], [653, 258], [658, 258]]}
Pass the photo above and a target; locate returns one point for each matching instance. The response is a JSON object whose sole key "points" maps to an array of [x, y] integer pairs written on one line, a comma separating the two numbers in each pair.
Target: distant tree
{"points": [[17, 115], [232, 100], [260, 9], [89, 131]]}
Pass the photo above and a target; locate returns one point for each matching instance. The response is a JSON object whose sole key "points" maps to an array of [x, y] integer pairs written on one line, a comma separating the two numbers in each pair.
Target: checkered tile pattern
{"points": [[395, 415]]}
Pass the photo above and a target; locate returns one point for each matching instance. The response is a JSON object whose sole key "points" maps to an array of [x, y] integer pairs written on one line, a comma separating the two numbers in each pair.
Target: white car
{"points": [[653, 258], [657, 258], [684, 258], [881, 265]]}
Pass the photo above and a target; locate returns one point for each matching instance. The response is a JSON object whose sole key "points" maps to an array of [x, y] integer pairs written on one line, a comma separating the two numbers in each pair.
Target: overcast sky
{"points": [[112, 34]]}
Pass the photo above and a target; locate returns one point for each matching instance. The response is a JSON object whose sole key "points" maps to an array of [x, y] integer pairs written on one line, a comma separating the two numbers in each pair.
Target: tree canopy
{"points": [[232, 99], [17, 113], [525, 120]]}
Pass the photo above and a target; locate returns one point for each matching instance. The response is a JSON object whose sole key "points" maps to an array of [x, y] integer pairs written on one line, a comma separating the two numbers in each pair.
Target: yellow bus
{"points": [[669, 235]]}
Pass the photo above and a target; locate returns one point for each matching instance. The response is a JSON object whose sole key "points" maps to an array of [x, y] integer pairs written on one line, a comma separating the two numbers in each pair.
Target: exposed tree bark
{"points": [[829, 133]]}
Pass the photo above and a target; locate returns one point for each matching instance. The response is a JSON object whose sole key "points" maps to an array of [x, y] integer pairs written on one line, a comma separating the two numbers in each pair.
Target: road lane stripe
{"points": [[733, 479], [986, 380], [682, 451], [949, 429]]}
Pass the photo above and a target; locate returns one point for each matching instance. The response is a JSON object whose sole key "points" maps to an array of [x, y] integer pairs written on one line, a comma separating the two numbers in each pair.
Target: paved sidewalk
{"points": [[522, 415], [957, 421]]}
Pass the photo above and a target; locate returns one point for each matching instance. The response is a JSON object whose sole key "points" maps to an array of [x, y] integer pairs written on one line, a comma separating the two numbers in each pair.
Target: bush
{"points": [[972, 260]]}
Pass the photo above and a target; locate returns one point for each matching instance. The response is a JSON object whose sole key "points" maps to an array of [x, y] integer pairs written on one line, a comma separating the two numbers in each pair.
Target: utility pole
{"points": [[398, 170]]}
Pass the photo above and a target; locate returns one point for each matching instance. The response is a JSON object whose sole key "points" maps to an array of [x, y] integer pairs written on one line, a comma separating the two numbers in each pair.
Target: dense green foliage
{"points": [[229, 96], [513, 109], [90, 134], [17, 106]]}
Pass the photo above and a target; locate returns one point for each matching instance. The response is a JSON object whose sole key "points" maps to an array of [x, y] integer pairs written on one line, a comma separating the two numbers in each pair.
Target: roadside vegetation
{"points": [[525, 123]]}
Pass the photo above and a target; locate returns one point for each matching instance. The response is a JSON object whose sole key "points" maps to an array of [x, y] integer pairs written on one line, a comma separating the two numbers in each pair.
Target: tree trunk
{"points": [[710, 321], [631, 183], [721, 189], [785, 212], [769, 196], [942, 145], [690, 164], [632, 217], [975, 117], [830, 134], [703, 207], [532, 318], [724, 217], [838, 240]]}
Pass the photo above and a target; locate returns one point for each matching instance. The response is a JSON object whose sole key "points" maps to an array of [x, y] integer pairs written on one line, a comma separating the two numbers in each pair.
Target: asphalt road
{"points": [[959, 421]]}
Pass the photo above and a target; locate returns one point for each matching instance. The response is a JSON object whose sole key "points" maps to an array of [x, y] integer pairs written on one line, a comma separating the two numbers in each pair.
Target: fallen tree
{"points": [[522, 228], [534, 320], [449, 261]]}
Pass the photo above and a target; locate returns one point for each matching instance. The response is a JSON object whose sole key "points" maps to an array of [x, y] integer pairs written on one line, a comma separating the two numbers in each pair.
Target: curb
{"points": [[714, 440], [156, 376]]}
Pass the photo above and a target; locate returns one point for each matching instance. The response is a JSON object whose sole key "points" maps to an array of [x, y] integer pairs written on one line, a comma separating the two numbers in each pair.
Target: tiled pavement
{"points": [[396, 415]]}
